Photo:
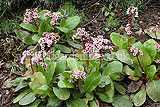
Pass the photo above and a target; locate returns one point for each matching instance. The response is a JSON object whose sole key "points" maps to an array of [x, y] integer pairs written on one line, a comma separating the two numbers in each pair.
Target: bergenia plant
{"points": [[154, 30], [132, 11]]}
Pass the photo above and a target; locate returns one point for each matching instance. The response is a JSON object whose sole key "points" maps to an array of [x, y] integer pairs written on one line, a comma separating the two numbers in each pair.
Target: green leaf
{"points": [[123, 56], [56, 54], [76, 103], [72, 63], [121, 101], [70, 24], [113, 69], [108, 95], [37, 80], [54, 102], [138, 45], [73, 44], [153, 90], [150, 47], [25, 37], [131, 42], [145, 59], [128, 71], [21, 85], [93, 104], [35, 103], [61, 61], [63, 23], [21, 95], [42, 18], [28, 27], [151, 70], [152, 34], [80, 55], [50, 71], [62, 48], [92, 81], [89, 96], [63, 83], [140, 97], [106, 13], [103, 9], [105, 80], [36, 37], [67, 74], [62, 94], [117, 39], [120, 88], [44, 27], [29, 98]]}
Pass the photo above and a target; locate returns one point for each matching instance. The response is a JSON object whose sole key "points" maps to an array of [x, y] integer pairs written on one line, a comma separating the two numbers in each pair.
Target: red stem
{"points": [[128, 46], [100, 59], [35, 23], [140, 63], [83, 42], [50, 52], [87, 60], [31, 65], [37, 66], [157, 38]]}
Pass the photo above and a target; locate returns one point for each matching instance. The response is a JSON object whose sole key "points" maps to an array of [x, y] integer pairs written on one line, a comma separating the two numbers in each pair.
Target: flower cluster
{"points": [[80, 32], [158, 47], [49, 39], [135, 51], [55, 16], [89, 48], [36, 58], [128, 29], [78, 74], [133, 10], [31, 15], [101, 43], [157, 61], [154, 29]]}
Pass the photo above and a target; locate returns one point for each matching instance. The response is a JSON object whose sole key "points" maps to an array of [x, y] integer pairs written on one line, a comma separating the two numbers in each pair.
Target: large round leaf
{"points": [[62, 94], [72, 63], [113, 69], [92, 81], [61, 61], [121, 101], [140, 97], [153, 90], [76, 103], [29, 98], [62, 48], [53, 102]]}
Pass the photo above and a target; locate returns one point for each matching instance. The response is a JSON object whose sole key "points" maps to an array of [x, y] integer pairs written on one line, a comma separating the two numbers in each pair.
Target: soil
{"points": [[95, 24]]}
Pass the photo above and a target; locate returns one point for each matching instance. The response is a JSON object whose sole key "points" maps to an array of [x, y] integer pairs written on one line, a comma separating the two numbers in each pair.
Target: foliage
{"points": [[111, 21]]}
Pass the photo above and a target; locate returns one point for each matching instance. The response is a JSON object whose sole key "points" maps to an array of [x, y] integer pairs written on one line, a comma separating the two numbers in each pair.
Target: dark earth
{"points": [[11, 47]]}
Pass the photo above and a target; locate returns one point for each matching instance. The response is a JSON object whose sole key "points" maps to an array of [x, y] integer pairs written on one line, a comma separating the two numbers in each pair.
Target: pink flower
{"points": [[96, 55], [140, 52], [77, 74], [129, 32], [158, 47], [132, 48], [154, 29]]}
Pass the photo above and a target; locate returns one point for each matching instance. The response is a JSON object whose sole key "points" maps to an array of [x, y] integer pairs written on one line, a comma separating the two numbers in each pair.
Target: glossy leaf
{"points": [[42, 18], [117, 39], [93, 104], [72, 63], [151, 70], [61, 65], [28, 27], [92, 81], [36, 37], [150, 47], [35, 103], [113, 69], [21, 85], [122, 101], [123, 56], [62, 94], [21, 95], [50, 71], [105, 80], [140, 97], [120, 88], [76, 103], [54, 102], [153, 90], [63, 83], [89, 96], [29, 98], [44, 27], [62, 48], [73, 44]]}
